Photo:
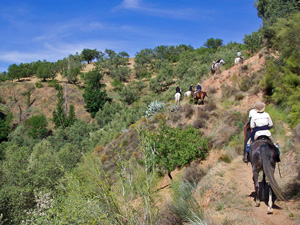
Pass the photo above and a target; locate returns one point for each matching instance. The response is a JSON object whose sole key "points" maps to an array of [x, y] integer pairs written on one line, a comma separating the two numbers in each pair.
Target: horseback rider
{"points": [[247, 130], [198, 89], [213, 64], [178, 89], [191, 87], [239, 55], [260, 124]]}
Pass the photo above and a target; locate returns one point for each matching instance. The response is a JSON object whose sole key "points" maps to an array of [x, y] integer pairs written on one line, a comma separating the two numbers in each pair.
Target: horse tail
{"points": [[269, 170], [205, 94]]}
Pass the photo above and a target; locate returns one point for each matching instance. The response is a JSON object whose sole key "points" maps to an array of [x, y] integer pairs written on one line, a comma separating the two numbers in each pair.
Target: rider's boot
{"points": [[246, 154], [245, 158]]}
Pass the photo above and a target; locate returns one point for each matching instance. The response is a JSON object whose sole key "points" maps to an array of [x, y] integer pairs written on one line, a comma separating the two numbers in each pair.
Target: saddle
{"points": [[263, 137]]}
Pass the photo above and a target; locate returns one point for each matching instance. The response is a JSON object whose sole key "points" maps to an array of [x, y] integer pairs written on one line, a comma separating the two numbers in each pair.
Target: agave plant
{"points": [[154, 107]]}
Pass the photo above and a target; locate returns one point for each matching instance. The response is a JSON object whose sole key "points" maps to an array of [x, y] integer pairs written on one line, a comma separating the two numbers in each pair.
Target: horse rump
{"points": [[268, 155]]}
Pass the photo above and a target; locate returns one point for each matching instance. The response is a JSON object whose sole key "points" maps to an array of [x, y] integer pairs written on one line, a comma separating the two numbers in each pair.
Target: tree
{"points": [[282, 81], [60, 117], [161, 52], [253, 41], [5, 126], [36, 127], [175, 147], [72, 116], [16, 190], [71, 67], [116, 65], [213, 43], [163, 80], [142, 61], [107, 113], [15, 72], [129, 95], [286, 40], [94, 95], [271, 10], [89, 54], [44, 71]]}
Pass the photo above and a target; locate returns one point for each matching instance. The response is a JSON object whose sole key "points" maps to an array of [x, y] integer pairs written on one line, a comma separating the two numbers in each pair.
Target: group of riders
{"points": [[239, 55], [198, 89], [258, 125]]}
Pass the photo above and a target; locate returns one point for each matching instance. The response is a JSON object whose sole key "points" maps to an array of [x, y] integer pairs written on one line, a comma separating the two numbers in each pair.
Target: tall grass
{"points": [[184, 204]]}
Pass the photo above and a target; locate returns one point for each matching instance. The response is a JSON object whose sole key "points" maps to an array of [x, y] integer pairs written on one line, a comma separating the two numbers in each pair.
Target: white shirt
{"points": [[259, 120], [252, 112], [239, 53]]}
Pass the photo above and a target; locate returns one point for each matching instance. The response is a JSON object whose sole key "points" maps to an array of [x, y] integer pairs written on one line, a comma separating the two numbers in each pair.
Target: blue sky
{"points": [[34, 30]]}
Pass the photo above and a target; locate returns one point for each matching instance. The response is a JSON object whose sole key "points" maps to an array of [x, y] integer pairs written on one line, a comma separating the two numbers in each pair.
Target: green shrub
{"points": [[117, 85], [54, 83], [107, 113], [176, 147], [39, 84], [245, 84], [36, 127], [238, 97], [129, 95], [5, 126], [224, 158]]}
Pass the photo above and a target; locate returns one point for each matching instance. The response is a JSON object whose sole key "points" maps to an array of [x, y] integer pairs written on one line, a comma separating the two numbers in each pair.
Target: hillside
{"points": [[224, 188], [225, 193]]}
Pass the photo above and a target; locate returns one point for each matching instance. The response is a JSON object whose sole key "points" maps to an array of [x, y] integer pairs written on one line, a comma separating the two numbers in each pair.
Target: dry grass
{"points": [[193, 173], [174, 117], [42, 100], [199, 123], [98, 149], [167, 217], [187, 110], [104, 157]]}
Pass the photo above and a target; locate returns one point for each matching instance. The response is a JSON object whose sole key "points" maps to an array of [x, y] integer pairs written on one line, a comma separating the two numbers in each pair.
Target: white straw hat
{"points": [[260, 106]]}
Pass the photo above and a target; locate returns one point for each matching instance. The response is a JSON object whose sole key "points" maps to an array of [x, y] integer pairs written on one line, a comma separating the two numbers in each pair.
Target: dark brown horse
{"points": [[263, 156], [200, 95]]}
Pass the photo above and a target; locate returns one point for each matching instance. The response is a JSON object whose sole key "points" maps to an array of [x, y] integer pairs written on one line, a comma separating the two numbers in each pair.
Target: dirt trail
{"points": [[227, 193]]}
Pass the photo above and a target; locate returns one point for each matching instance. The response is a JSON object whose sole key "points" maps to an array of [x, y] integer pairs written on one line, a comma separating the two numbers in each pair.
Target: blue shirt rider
{"points": [[198, 89]]}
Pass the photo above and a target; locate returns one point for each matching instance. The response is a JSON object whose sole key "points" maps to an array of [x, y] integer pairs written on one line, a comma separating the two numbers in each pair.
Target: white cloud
{"points": [[131, 4], [136, 5], [18, 57]]}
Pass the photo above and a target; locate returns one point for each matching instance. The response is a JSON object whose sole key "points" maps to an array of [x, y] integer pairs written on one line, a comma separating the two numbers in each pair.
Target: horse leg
{"points": [[256, 187], [263, 195], [270, 202]]}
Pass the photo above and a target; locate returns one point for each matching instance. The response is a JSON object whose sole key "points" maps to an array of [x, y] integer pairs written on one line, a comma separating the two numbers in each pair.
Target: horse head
{"points": [[222, 61]]}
